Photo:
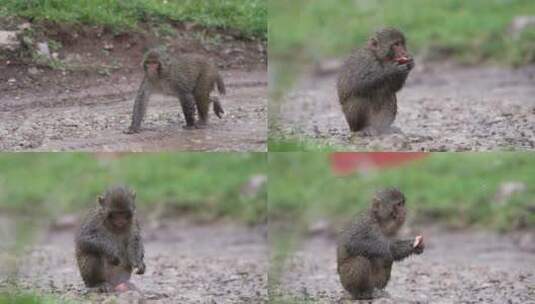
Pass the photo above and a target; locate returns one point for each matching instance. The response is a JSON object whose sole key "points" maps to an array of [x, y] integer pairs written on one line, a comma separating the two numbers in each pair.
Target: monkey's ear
{"points": [[376, 204], [373, 43], [100, 200], [133, 193]]}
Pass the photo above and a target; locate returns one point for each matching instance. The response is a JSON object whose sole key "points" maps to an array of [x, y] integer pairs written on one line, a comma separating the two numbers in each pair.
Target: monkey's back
{"points": [[186, 71]]}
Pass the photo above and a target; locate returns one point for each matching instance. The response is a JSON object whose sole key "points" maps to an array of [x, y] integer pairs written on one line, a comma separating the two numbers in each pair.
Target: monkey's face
{"points": [[152, 67], [389, 45], [119, 220], [118, 206], [389, 210]]}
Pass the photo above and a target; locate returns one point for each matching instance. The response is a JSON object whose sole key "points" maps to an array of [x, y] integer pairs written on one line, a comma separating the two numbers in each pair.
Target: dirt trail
{"points": [[456, 267], [92, 118], [219, 263], [442, 108]]}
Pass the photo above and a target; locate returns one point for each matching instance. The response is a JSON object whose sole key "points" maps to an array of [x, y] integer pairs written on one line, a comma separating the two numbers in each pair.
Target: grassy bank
{"points": [[470, 31], [198, 183], [249, 17], [456, 188]]}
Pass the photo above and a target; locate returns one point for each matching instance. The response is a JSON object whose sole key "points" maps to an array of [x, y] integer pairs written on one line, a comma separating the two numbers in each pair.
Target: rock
{"points": [[33, 71], [519, 24], [507, 189], [11, 80], [65, 222], [319, 226], [24, 26], [43, 49], [8, 40], [255, 183], [108, 46]]}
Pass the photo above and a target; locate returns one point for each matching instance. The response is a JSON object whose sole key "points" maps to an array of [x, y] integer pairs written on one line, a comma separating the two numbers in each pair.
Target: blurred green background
{"points": [[457, 189], [493, 191], [247, 16], [315, 35], [209, 185], [472, 31]]}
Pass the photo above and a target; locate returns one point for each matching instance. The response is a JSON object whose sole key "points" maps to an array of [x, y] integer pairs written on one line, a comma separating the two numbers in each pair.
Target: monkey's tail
{"points": [[220, 85]]}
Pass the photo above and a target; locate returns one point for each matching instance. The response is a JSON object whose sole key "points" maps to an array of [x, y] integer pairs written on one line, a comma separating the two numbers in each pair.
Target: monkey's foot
{"points": [[363, 296], [101, 288], [201, 125], [189, 127], [380, 293], [367, 132], [131, 131]]}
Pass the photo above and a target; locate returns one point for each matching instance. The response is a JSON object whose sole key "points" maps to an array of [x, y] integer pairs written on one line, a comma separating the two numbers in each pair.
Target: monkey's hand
{"points": [[114, 260], [139, 269], [418, 246]]}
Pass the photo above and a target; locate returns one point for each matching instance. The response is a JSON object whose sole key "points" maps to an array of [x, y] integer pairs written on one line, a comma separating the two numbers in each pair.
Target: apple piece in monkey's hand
{"points": [[122, 287], [418, 241], [402, 60]]}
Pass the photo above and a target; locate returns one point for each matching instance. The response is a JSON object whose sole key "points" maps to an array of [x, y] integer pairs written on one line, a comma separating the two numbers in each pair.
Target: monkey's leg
{"points": [[355, 276], [92, 272], [202, 99], [140, 107], [356, 114], [380, 273], [384, 113], [218, 108], [188, 108]]}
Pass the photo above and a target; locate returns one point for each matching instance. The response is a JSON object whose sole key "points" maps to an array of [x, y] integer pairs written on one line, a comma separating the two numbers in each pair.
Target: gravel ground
{"points": [[216, 263], [93, 118], [442, 108], [456, 267]]}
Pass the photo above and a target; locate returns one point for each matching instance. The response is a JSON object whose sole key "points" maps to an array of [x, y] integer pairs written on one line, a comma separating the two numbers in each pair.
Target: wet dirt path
{"points": [[218, 263], [93, 118], [456, 267], [441, 108]]}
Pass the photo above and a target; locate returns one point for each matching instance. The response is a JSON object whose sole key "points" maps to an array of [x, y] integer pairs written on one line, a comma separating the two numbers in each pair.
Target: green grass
{"points": [[276, 144], [456, 188], [471, 31], [247, 16], [206, 184], [26, 298]]}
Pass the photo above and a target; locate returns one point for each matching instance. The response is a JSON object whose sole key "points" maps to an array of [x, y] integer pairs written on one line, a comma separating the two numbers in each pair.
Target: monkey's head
{"points": [[388, 44], [152, 63], [388, 209], [118, 207]]}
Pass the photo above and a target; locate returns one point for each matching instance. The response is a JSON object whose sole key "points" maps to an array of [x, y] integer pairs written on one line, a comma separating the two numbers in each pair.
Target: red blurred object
{"points": [[344, 163]]}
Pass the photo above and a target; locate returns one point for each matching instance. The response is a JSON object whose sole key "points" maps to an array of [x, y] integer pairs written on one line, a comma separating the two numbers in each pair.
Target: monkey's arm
{"points": [[366, 78], [136, 253], [401, 249], [92, 244], [370, 247], [140, 106]]}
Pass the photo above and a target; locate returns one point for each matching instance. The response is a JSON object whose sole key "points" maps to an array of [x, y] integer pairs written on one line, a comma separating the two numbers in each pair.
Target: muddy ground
{"points": [[85, 101], [216, 263], [94, 118], [443, 107], [456, 267]]}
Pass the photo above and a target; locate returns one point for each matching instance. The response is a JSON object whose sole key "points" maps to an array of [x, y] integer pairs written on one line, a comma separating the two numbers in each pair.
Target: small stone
{"points": [[43, 49], [33, 71], [8, 40]]}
